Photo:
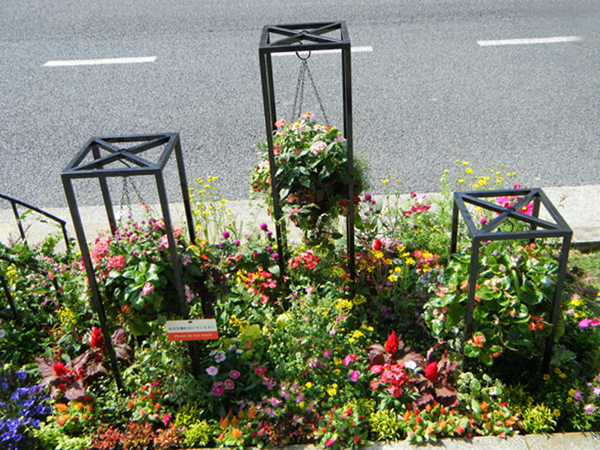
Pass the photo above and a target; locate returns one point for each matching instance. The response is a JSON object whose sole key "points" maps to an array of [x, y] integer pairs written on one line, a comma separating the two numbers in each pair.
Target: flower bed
{"points": [[314, 357]]}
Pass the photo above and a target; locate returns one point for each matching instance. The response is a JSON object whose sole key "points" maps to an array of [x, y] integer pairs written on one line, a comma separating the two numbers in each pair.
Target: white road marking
{"points": [[550, 40], [320, 52], [92, 62]]}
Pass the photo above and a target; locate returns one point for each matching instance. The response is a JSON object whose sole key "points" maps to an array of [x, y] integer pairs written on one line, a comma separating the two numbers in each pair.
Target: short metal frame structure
{"points": [[306, 38], [134, 164], [15, 207], [539, 229]]}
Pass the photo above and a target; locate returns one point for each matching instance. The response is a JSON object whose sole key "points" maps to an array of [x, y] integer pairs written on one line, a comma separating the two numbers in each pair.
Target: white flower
{"points": [[220, 357], [2, 334], [410, 365]]}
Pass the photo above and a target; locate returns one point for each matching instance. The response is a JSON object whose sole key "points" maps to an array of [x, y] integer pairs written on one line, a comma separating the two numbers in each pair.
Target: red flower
{"points": [[377, 245], [60, 370], [391, 345], [96, 338], [431, 371]]}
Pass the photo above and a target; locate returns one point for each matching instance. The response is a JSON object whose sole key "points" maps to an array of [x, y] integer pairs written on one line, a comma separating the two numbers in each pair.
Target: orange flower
{"points": [[79, 405], [236, 433], [61, 407]]}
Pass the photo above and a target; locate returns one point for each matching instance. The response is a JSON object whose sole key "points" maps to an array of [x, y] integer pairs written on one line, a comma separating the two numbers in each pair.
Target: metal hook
{"points": [[304, 59]]}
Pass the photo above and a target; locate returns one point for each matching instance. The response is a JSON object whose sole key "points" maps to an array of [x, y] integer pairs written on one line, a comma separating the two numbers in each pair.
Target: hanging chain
{"points": [[125, 198], [299, 99]]}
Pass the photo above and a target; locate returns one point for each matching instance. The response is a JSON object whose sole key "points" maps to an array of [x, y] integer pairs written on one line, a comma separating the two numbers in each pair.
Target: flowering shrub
{"points": [[312, 173], [136, 275], [512, 301]]}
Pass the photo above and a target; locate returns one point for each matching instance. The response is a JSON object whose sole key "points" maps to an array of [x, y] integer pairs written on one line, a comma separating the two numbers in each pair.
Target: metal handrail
{"points": [[14, 203]]}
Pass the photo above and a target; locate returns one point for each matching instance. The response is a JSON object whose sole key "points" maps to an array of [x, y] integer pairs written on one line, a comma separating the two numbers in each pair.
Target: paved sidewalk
{"points": [[579, 208]]}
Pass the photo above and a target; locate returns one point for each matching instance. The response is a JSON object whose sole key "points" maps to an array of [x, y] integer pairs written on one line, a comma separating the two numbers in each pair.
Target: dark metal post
{"points": [[185, 192], [91, 275], [558, 290], [472, 287], [164, 203], [454, 234], [9, 297], [347, 95], [266, 70], [110, 212]]}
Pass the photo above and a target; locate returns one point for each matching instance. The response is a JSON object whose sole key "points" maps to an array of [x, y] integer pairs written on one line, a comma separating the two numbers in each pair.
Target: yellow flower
{"points": [[393, 278], [357, 334], [465, 163], [461, 181], [308, 385], [332, 391], [469, 170], [556, 412], [410, 261], [385, 181], [546, 377]]}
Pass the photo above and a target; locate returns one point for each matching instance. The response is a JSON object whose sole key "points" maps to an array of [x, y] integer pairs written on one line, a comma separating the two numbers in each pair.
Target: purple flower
{"points": [[275, 255], [578, 395], [313, 362], [264, 226], [237, 243], [226, 234], [589, 408]]}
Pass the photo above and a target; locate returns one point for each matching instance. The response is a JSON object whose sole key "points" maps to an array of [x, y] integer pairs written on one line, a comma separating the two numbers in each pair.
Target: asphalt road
{"points": [[426, 95]]}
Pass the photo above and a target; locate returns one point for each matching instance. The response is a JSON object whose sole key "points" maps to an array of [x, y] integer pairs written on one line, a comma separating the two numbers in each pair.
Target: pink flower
{"points": [[264, 226], [218, 389], [318, 147], [330, 442], [212, 371], [260, 370], [226, 234], [166, 418], [587, 322], [280, 123], [189, 295], [234, 374], [355, 375], [147, 289], [116, 262], [348, 359], [220, 357], [229, 384], [394, 390]]}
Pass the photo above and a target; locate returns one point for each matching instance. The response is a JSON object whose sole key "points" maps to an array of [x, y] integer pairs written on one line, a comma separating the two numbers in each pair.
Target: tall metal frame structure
{"points": [[539, 229], [306, 38], [134, 164]]}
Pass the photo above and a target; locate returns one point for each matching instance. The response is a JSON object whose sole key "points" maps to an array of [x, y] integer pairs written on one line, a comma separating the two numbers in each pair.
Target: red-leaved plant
{"points": [[69, 379], [428, 379]]}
